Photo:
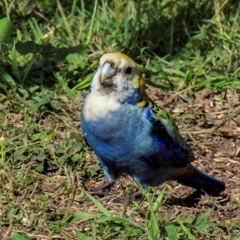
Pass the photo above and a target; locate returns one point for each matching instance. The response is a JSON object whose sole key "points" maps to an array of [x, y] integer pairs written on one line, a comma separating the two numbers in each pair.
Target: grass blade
{"points": [[189, 234], [171, 232], [98, 205]]}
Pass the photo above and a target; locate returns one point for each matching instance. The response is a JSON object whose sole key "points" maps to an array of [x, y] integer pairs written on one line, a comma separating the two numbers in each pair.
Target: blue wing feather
{"points": [[170, 153]]}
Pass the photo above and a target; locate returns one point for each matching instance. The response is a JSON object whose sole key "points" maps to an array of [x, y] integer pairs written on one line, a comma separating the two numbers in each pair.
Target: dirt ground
{"points": [[210, 123]]}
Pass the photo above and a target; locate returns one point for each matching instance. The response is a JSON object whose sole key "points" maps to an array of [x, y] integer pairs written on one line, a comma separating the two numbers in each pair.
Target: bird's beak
{"points": [[106, 74]]}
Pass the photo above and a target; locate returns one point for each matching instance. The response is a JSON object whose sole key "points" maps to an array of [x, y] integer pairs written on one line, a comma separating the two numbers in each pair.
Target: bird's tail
{"points": [[200, 180]]}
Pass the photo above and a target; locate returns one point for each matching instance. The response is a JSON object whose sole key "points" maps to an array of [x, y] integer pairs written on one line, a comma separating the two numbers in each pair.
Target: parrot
{"points": [[131, 135]]}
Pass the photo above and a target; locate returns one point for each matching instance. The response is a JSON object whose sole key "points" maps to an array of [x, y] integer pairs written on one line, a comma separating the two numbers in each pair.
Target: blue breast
{"points": [[124, 134]]}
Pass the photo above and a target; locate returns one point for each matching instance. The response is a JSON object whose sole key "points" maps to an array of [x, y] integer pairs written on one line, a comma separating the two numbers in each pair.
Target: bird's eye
{"points": [[128, 70]]}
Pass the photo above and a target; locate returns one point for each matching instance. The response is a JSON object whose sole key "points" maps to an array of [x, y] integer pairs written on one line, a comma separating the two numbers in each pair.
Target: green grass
{"points": [[181, 46]]}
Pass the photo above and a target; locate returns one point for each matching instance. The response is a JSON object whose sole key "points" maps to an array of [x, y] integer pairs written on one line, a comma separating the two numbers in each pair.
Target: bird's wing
{"points": [[172, 150]]}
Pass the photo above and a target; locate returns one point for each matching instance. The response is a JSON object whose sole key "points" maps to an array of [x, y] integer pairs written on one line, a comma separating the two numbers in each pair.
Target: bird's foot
{"points": [[103, 189], [136, 196]]}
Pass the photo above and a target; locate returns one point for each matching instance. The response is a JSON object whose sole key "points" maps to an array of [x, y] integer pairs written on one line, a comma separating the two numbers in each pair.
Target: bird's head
{"points": [[118, 77]]}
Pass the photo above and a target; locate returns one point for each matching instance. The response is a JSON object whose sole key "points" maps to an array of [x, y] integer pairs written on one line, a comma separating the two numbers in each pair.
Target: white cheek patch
{"points": [[95, 85], [124, 89], [98, 106]]}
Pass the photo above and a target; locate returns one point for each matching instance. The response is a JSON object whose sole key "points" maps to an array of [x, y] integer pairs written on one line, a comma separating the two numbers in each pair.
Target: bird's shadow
{"points": [[191, 200]]}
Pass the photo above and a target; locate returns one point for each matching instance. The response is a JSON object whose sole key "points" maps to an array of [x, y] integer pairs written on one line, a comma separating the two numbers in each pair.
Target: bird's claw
{"points": [[103, 189]]}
